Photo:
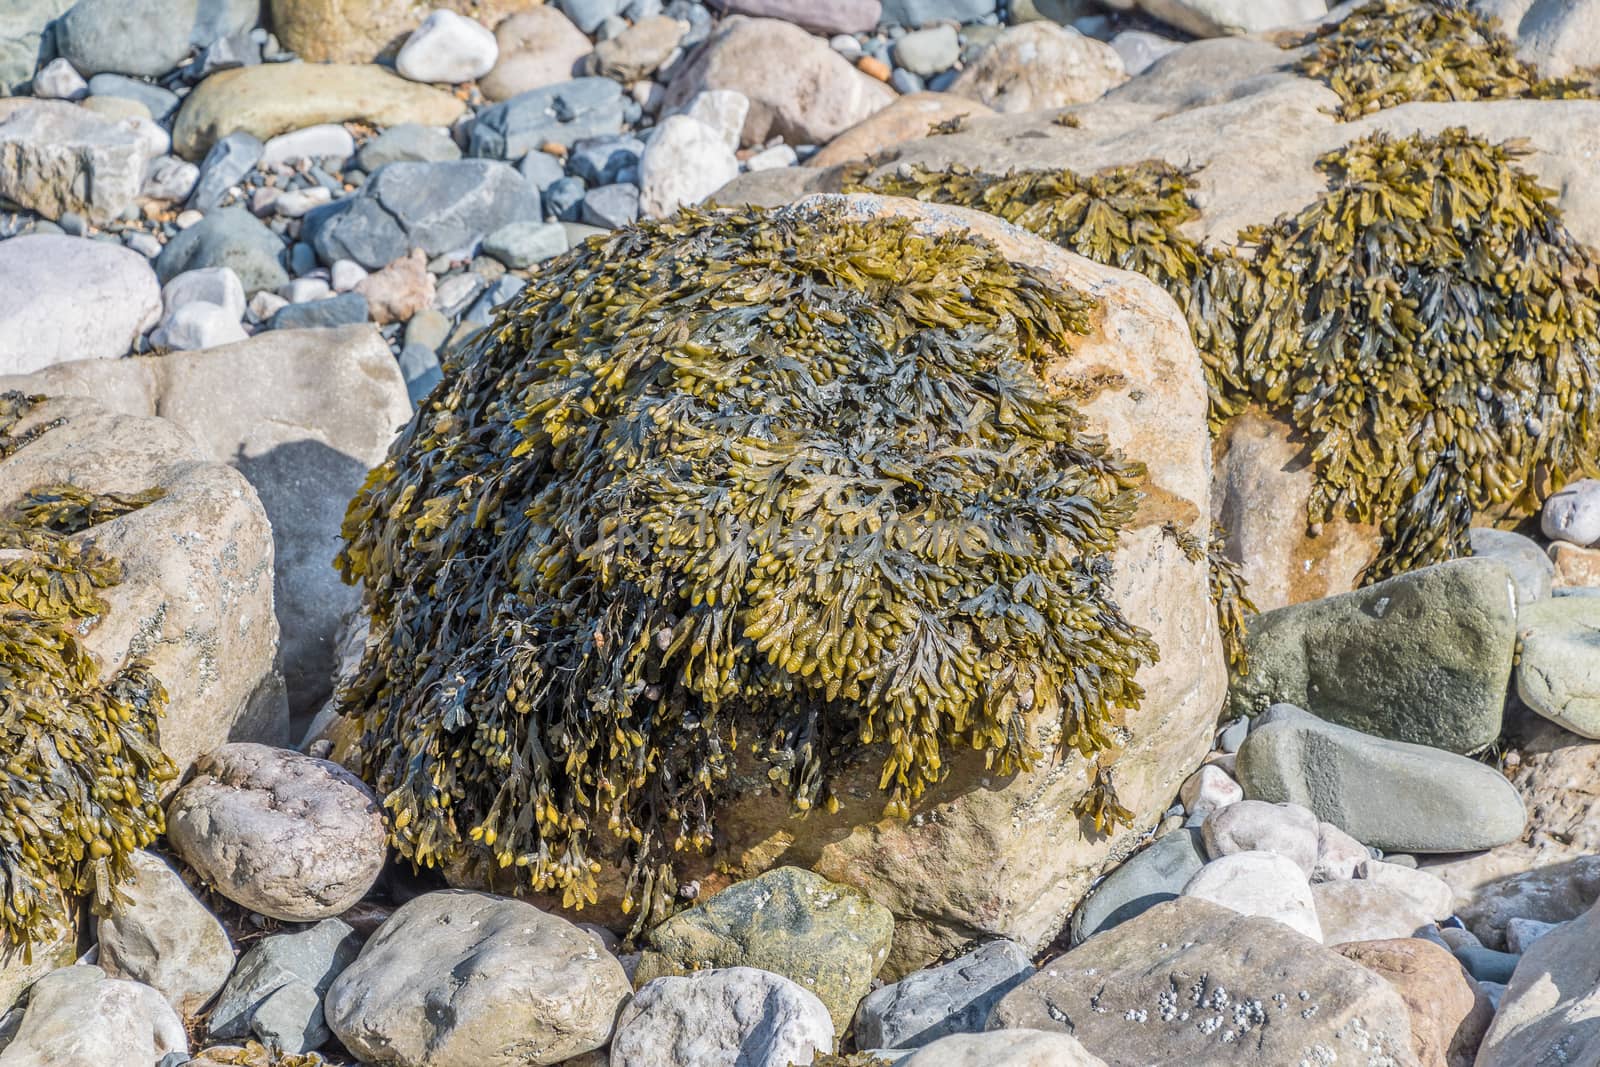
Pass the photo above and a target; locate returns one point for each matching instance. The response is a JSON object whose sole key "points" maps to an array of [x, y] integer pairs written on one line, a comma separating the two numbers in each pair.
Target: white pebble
{"points": [[1209, 789], [305, 290], [347, 274], [447, 47], [779, 155], [296, 202], [57, 80], [1573, 514], [328, 141]]}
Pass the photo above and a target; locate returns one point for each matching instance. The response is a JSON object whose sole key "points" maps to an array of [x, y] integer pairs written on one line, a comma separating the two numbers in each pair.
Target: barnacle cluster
{"points": [[255, 1054], [1390, 52], [83, 764], [791, 482], [1428, 321]]}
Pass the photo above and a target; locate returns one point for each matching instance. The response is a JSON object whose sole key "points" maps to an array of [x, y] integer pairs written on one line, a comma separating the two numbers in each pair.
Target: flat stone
{"points": [[1424, 657], [953, 998], [1487, 965], [56, 157], [146, 37], [1167, 986], [524, 988], [728, 1017], [267, 996], [611, 207], [921, 12], [1149, 877], [1448, 1015], [538, 48], [1576, 568], [346, 309], [564, 114], [1532, 572], [69, 298], [157, 932], [326, 141], [520, 245], [448, 48], [1259, 883], [275, 98], [159, 102], [824, 17], [829, 938], [1395, 796], [1558, 671], [407, 143], [1287, 830], [228, 237], [1013, 1048]]}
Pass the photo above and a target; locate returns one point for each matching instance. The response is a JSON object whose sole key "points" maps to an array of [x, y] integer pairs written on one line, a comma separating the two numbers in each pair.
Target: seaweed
{"points": [[786, 482]]}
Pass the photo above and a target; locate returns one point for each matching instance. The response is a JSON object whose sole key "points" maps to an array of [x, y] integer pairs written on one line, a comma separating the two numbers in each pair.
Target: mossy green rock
{"points": [[1423, 658], [829, 938], [1558, 672]]}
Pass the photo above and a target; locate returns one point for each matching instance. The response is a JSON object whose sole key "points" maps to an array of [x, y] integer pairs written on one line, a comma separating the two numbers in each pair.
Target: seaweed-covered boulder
{"points": [[819, 689]]}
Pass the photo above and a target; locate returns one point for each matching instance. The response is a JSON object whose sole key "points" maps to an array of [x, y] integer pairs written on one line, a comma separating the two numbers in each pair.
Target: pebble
{"points": [[1522, 933], [523, 244], [56, 80], [1389, 794], [275, 994], [561, 114], [779, 155], [228, 237], [346, 274], [264, 305], [346, 309], [70, 298], [516, 978], [305, 290], [495, 294], [587, 15], [453, 294], [538, 48], [407, 143], [685, 162], [1487, 965], [1558, 669], [915, 13], [603, 160], [157, 932], [294, 838], [327, 141], [1432, 894], [953, 998], [1286, 830], [198, 326], [78, 1017], [146, 244], [1573, 513], [297, 202], [638, 51], [158, 103], [727, 1017], [541, 169], [564, 198], [1259, 883], [229, 160], [724, 110], [57, 157], [927, 52], [1338, 854], [611, 206], [170, 179], [1209, 789], [449, 48], [419, 366]]}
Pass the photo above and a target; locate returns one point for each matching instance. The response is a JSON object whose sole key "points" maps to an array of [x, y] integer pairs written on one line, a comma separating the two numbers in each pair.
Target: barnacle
{"points": [[83, 762], [1391, 52], [791, 482]]}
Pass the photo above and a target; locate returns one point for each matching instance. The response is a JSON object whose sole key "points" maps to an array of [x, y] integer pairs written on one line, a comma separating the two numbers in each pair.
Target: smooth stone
{"points": [[275, 994], [1209, 789], [159, 102], [1448, 1015], [400, 289], [1168, 987], [524, 988], [1487, 965], [1577, 569], [1424, 657], [639, 51], [1038, 66], [538, 48], [564, 199], [1217, 18], [921, 12], [1532, 572], [407, 143], [1140, 49], [224, 166], [275, 98], [306, 290], [366, 31], [116, 108], [564, 114], [603, 160], [828, 937], [228, 237], [927, 52], [1149, 877], [77, 1017], [724, 110], [1338, 854], [146, 37], [523, 244], [828, 18], [197, 326], [1233, 735], [57, 80], [953, 998], [1287, 830], [1262, 884], [1430, 892], [296, 203], [541, 169], [779, 155], [69, 298], [448, 48], [56, 157], [1522, 933], [1388, 794], [327, 141], [1355, 909], [1558, 669], [171, 179], [1573, 513], [684, 163], [587, 15], [346, 309], [346, 274], [611, 206], [294, 838], [727, 1017], [157, 932], [1013, 1048]]}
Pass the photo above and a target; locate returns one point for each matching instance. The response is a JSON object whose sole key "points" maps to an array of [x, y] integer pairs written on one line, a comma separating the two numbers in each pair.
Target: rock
{"points": [[399, 290], [1550, 1012], [169, 178], [906, 119], [1287, 830], [538, 48], [203, 310], [224, 166], [1355, 909], [361, 31], [728, 1017], [1522, 933], [1424, 657], [71, 298], [639, 50], [1217, 18], [824, 17], [1573, 514], [447, 47], [56, 157], [1558, 670], [146, 37], [1140, 50], [1166, 986], [217, 286], [1560, 39], [275, 98], [437, 207], [77, 1017], [1448, 1016], [1575, 567], [22, 46], [829, 938], [1014, 1048], [230, 237], [1532, 572], [524, 988], [779, 155], [589, 15], [289, 836], [520, 245], [275, 994], [799, 89], [921, 12], [1487, 965], [1209, 789], [157, 932], [685, 162], [327, 141], [724, 110], [954, 998], [1040, 65], [1259, 883], [611, 207], [159, 103], [407, 143], [303, 416], [346, 309], [604, 160], [1149, 877], [1389, 794], [1338, 854], [57, 80], [1430, 892], [927, 52], [564, 114], [541, 169]]}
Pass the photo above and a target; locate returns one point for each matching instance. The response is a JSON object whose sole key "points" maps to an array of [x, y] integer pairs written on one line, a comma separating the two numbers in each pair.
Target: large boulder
{"points": [[302, 415], [1550, 1012], [56, 157], [1448, 1013]]}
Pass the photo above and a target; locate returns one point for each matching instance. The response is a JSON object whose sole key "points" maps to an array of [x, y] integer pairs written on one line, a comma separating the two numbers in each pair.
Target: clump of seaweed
{"points": [[854, 1059], [83, 764], [1391, 52], [255, 1054], [70, 509], [791, 482], [1227, 588]]}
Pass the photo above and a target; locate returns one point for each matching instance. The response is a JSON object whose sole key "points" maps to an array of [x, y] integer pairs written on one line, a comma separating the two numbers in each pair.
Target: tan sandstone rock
{"points": [[359, 31], [1448, 1013]]}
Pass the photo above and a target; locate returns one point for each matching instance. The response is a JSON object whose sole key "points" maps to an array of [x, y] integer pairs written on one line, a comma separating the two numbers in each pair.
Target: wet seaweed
{"points": [[791, 483]]}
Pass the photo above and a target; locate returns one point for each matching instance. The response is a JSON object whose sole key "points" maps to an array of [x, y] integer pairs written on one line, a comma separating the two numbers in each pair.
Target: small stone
{"points": [[449, 48], [1149, 877], [157, 103], [638, 51], [541, 169], [146, 37], [524, 244], [611, 206], [1532, 572], [927, 52], [229, 160], [157, 932], [170, 179], [295, 838], [77, 1017], [953, 998], [407, 143], [1140, 49], [346, 309], [297, 202], [498, 293], [264, 305], [1430, 892], [306, 290], [146, 244], [874, 67], [197, 326], [1522, 933], [1287, 830], [1038, 66], [419, 366], [561, 114], [728, 1017], [1558, 671], [1355, 909], [1209, 789], [538, 48], [275, 994], [1338, 854], [724, 110], [685, 162], [57, 80], [587, 15], [427, 328], [1573, 514], [779, 155], [603, 160], [328, 141], [1259, 883], [1011, 1047], [189, 219], [399, 290], [1487, 965], [346, 274]]}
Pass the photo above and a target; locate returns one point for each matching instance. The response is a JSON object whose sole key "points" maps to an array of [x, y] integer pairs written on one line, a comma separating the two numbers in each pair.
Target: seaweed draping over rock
{"points": [[1428, 322], [83, 761], [791, 482]]}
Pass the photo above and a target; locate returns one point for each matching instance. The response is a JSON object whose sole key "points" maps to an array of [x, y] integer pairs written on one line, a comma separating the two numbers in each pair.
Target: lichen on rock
{"points": [[788, 482]]}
